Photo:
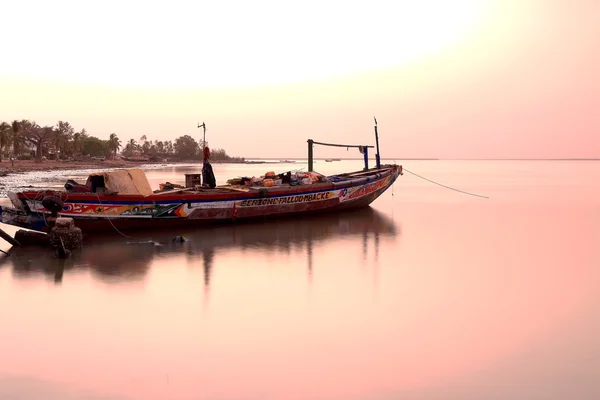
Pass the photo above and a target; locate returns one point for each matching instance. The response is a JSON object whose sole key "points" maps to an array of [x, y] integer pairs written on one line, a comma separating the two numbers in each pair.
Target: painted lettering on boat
{"points": [[367, 189], [107, 209], [286, 200]]}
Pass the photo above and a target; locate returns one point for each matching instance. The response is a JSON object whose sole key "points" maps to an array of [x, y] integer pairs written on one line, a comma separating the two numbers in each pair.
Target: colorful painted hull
{"points": [[102, 212]]}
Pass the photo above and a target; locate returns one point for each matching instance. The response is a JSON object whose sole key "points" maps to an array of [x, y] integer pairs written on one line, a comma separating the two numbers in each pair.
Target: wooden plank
{"points": [[9, 238], [172, 191], [234, 189], [369, 172]]}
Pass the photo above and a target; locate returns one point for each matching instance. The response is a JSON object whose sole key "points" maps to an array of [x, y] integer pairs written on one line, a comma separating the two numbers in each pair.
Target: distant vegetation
{"points": [[27, 140], [184, 148]]}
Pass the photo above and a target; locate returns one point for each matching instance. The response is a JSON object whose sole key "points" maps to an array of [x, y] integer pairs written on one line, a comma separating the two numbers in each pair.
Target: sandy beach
{"points": [[29, 174], [22, 166]]}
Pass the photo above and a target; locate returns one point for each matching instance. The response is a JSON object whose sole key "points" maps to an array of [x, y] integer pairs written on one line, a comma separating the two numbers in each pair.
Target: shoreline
{"points": [[28, 174], [25, 166]]}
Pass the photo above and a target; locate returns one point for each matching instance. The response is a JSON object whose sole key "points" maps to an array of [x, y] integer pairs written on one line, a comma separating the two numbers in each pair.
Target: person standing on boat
{"points": [[208, 177]]}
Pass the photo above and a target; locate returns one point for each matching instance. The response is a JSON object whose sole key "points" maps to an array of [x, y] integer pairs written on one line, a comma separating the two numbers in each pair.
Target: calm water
{"points": [[429, 294]]}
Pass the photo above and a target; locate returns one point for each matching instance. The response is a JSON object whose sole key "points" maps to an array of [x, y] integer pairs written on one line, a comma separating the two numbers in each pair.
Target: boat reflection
{"points": [[118, 257]]}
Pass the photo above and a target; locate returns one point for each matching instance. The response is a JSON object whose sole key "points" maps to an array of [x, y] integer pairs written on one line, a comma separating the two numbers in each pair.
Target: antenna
{"points": [[204, 135]]}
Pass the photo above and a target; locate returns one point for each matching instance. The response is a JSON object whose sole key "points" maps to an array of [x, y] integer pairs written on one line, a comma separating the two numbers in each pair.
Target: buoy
{"points": [[53, 203]]}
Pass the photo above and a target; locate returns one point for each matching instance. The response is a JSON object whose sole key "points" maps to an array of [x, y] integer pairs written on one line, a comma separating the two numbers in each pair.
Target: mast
{"points": [[203, 126], [310, 155], [377, 159], [203, 136]]}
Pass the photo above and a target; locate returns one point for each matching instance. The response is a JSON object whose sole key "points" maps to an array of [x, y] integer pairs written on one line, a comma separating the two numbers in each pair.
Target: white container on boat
{"points": [[306, 181]]}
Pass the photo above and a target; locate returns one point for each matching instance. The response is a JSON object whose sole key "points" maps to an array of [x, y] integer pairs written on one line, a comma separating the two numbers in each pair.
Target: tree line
{"points": [[26, 139]]}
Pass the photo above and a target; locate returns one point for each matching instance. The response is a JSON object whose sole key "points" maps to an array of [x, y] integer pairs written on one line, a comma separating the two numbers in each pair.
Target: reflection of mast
{"points": [[376, 246], [376, 264], [309, 253], [365, 243], [207, 261]]}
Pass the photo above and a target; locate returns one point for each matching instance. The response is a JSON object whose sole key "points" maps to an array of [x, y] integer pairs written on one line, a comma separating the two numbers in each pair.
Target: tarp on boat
{"points": [[131, 181]]}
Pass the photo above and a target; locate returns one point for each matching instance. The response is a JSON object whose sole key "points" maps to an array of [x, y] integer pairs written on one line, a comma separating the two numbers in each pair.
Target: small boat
{"points": [[123, 199], [137, 158]]}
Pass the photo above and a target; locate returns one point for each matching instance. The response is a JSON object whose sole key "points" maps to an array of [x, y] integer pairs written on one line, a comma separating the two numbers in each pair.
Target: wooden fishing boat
{"points": [[123, 199]]}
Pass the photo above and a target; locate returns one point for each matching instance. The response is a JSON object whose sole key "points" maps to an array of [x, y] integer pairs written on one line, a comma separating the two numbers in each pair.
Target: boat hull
{"points": [[97, 213]]}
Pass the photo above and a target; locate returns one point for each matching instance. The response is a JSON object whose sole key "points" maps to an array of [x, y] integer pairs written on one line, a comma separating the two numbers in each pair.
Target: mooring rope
{"points": [[113, 225], [447, 187]]}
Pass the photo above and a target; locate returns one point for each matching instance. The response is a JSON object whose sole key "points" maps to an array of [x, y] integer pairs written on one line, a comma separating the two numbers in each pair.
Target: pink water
{"points": [[432, 294]]}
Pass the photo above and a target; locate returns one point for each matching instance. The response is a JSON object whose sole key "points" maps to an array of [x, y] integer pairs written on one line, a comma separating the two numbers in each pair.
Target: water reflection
{"points": [[113, 257], [110, 262]]}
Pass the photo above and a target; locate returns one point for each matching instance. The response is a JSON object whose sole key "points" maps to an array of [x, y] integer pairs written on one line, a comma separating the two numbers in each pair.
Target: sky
{"points": [[444, 78]]}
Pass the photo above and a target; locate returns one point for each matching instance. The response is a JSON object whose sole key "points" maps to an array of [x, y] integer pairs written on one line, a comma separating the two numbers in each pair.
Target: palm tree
{"points": [[18, 141], [62, 137], [130, 148], [78, 138], [114, 144], [146, 147], [160, 147], [5, 137]]}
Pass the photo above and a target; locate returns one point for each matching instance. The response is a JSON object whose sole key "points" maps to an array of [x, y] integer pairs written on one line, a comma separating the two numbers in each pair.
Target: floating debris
{"points": [[146, 242]]}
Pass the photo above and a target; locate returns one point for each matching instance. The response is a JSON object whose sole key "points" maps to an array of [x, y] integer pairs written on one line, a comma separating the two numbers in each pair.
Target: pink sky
{"points": [[509, 79]]}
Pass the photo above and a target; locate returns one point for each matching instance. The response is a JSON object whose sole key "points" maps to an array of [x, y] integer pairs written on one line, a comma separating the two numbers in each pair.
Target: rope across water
{"points": [[447, 187]]}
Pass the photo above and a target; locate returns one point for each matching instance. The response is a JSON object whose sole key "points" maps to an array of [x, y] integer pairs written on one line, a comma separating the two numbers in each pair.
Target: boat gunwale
{"points": [[207, 197]]}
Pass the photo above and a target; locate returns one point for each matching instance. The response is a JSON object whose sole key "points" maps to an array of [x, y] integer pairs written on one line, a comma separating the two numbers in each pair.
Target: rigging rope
{"points": [[447, 187]]}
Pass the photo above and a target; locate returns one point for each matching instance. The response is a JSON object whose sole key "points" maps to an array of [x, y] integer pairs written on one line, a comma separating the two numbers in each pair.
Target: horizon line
{"points": [[425, 159]]}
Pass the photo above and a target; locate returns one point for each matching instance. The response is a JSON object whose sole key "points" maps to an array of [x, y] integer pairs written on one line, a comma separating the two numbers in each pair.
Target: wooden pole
{"points": [[377, 159], [310, 155], [9, 238], [357, 146]]}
